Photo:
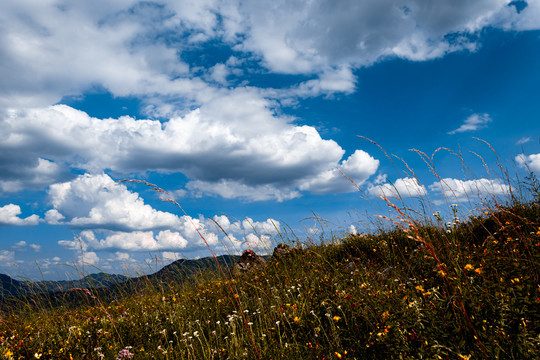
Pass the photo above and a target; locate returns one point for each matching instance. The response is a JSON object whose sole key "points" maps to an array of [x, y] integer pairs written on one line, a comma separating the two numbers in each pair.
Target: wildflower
{"points": [[296, 319], [338, 355], [336, 318], [469, 267], [442, 273], [478, 271], [125, 353], [37, 356]]}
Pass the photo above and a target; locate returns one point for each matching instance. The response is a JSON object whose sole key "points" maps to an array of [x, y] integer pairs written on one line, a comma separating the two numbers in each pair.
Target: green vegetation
{"points": [[426, 289]]}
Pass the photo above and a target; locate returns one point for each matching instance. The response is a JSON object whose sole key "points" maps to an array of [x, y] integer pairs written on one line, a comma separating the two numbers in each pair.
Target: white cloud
{"points": [[35, 247], [20, 172], [401, 188], [462, 190], [248, 225], [99, 201], [358, 167], [524, 140], [6, 256], [170, 256], [9, 215], [234, 142], [128, 241], [300, 37], [184, 237], [89, 258], [78, 244], [126, 47], [219, 73], [53, 217], [78, 46], [47, 262], [531, 162], [230, 189], [473, 122], [122, 256], [19, 244], [261, 244], [340, 79]]}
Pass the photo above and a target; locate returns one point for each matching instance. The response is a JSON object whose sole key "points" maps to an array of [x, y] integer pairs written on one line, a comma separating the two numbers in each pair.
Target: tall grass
{"points": [[427, 287]]}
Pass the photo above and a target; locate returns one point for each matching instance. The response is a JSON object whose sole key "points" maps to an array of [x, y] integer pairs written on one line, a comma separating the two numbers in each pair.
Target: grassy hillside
{"points": [[426, 289]]}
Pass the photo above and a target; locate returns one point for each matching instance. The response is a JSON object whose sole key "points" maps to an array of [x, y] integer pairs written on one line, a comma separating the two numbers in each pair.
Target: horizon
{"points": [[249, 114]]}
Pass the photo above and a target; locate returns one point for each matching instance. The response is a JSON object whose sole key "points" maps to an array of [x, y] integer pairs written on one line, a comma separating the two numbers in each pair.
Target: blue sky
{"points": [[248, 113]]}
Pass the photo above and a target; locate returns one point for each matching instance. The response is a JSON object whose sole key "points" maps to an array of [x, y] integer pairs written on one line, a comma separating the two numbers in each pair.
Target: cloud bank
{"points": [[233, 147]]}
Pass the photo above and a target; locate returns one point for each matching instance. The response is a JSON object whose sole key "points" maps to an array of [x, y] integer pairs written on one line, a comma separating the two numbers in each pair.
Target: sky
{"points": [[262, 120]]}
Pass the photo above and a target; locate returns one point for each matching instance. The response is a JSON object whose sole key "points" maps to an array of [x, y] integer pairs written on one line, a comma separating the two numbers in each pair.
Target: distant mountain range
{"points": [[12, 287], [110, 286]]}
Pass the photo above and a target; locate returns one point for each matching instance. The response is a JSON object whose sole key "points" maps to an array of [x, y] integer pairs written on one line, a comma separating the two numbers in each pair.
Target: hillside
{"points": [[468, 290], [107, 286], [12, 287], [9, 286]]}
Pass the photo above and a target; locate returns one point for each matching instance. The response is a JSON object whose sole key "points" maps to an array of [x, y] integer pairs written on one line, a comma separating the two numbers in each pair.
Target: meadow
{"points": [[420, 287]]}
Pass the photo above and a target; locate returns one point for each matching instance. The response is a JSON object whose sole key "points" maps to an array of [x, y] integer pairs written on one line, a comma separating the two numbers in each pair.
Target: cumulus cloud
{"points": [[358, 167], [462, 190], [234, 142], [298, 37], [531, 162], [401, 188], [6, 256], [116, 47], [19, 172], [89, 258], [170, 256], [136, 241], [234, 139], [99, 201], [20, 245], [53, 217], [473, 122], [9, 215], [231, 189], [262, 243], [35, 247], [218, 232]]}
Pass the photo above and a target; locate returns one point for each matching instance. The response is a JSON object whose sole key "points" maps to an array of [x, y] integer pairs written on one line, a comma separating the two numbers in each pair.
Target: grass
{"points": [[424, 289]]}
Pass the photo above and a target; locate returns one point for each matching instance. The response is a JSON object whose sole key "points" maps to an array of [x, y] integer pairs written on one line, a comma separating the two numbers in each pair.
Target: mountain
{"points": [[92, 281], [9, 286], [12, 287], [106, 287]]}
